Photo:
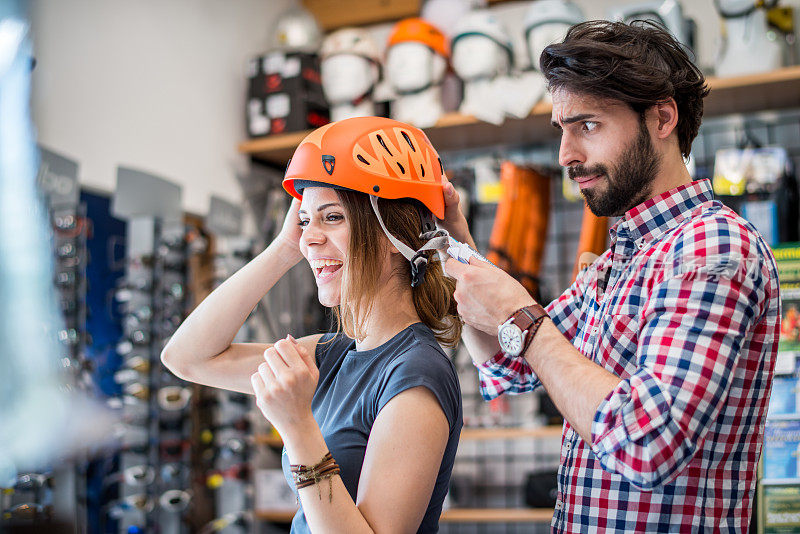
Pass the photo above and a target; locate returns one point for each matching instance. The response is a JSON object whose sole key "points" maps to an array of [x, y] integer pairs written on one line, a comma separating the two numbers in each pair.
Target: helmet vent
{"points": [[380, 140], [362, 160], [408, 140], [441, 167], [402, 170], [422, 170]]}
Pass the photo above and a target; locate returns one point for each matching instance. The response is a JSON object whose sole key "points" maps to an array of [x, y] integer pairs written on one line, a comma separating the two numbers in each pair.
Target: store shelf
{"points": [[454, 515], [475, 434], [467, 434], [779, 89], [277, 516], [497, 515]]}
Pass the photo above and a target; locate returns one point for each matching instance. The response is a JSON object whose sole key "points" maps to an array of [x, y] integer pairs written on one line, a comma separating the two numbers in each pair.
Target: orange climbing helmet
{"points": [[420, 31], [381, 157]]}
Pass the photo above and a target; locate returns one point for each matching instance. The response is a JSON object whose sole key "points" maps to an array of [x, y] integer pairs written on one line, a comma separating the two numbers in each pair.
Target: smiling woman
{"points": [[373, 411]]}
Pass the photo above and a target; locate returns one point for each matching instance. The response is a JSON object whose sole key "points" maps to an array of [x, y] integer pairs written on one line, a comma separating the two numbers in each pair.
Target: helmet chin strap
{"points": [[436, 240]]}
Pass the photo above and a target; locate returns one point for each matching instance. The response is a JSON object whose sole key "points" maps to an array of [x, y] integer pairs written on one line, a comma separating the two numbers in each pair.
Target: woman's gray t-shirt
{"points": [[355, 385]]}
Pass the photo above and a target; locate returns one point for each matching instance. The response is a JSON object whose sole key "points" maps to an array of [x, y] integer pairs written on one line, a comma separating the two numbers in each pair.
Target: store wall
{"points": [[159, 86], [148, 84]]}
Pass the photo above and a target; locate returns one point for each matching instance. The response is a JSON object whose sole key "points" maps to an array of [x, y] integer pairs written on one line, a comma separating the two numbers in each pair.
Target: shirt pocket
{"points": [[619, 338]]}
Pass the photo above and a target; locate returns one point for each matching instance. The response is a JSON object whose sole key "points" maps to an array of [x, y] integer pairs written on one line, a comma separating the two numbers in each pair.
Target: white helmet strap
{"points": [[436, 240]]}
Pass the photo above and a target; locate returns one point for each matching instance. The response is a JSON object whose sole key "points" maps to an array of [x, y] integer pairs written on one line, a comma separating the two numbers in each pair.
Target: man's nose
{"points": [[569, 152]]}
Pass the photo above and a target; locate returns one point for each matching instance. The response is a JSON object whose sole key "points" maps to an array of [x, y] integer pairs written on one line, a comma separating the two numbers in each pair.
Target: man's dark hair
{"points": [[640, 64]]}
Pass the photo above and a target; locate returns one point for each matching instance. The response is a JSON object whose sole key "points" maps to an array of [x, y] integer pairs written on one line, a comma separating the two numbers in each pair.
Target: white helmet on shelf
{"points": [[666, 13], [296, 29], [731, 9], [483, 23], [355, 41], [547, 22], [445, 14]]}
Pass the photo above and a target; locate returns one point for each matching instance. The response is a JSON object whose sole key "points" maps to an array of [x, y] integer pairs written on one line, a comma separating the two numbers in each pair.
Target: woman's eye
{"points": [[334, 217], [303, 223]]}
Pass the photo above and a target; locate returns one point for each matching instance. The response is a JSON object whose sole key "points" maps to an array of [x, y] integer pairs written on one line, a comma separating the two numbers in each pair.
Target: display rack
{"points": [[778, 89]]}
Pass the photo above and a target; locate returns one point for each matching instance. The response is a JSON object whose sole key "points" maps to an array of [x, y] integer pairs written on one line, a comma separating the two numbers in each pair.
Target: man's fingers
{"points": [[477, 262], [455, 269], [451, 198]]}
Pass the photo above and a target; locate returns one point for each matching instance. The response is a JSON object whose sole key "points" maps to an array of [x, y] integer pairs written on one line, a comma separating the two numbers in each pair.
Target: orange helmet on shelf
{"points": [[373, 155], [420, 31]]}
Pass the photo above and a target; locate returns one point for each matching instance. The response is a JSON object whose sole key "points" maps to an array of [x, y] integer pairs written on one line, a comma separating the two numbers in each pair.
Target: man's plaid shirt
{"points": [[689, 321]]}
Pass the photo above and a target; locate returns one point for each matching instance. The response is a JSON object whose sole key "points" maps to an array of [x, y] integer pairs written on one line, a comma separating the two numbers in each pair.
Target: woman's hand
{"points": [[290, 234], [454, 221], [284, 386]]}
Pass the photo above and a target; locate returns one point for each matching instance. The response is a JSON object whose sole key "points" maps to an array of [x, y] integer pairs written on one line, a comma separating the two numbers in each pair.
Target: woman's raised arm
{"points": [[201, 351]]}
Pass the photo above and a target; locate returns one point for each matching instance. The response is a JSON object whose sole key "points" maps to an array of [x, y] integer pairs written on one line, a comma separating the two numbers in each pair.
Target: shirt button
{"points": [[594, 330], [558, 504]]}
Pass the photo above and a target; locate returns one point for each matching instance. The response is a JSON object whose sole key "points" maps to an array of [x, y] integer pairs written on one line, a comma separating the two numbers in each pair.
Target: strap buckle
{"points": [[419, 265]]}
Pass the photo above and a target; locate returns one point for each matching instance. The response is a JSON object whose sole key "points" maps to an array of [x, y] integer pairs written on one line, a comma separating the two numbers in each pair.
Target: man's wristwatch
{"points": [[517, 332]]}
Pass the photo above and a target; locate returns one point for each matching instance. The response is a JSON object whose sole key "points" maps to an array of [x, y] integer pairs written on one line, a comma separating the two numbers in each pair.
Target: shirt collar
{"points": [[648, 220]]}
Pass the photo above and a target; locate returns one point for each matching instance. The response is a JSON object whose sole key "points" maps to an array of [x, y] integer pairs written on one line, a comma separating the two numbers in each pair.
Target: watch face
{"points": [[510, 337]]}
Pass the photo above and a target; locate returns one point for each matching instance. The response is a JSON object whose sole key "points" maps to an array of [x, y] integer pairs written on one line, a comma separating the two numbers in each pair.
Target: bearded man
{"points": [[660, 355]]}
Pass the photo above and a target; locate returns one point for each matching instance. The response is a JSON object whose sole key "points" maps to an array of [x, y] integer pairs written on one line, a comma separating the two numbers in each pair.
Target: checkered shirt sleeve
{"points": [[506, 374]]}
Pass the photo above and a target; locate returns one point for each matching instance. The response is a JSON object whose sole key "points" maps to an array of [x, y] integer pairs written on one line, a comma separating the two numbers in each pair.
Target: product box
{"points": [[781, 450], [781, 509], [285, 94]]}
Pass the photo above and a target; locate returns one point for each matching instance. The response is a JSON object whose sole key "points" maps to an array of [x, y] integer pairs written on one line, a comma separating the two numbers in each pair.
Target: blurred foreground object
{"points": [[43, 418]]}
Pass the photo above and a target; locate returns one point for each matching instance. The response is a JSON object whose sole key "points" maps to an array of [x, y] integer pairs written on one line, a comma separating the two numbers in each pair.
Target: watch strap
{"points": [[528, 320]]}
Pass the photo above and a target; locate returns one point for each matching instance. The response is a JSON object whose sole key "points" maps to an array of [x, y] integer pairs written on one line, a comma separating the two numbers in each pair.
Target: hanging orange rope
{"points": [[518, 236], [593, 239]]}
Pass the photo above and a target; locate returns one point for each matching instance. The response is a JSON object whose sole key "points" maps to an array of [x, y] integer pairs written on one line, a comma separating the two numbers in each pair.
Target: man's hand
{"points": [[454, 221], [486, 295]]}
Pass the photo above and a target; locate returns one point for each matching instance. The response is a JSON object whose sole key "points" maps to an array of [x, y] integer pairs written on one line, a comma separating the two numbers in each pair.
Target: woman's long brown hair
{"points": [[433, 298]]}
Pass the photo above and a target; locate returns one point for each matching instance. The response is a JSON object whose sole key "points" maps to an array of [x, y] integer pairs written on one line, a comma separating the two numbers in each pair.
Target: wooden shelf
{"points": [[475, 434], [277, 516], [453, 515], [497, 515], [779, 89], [467, 434]]}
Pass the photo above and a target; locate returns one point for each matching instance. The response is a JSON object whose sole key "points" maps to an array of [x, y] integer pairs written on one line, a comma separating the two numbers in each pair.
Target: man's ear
{"points": [[666, 113]]}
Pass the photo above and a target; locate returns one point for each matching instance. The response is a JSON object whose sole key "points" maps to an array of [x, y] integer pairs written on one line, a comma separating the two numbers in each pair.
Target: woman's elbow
{"points": [[172, 360]]}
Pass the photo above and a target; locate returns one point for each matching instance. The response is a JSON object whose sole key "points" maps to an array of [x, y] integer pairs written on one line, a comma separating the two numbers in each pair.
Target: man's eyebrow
{"points": [[573, 119], [322, 207]]}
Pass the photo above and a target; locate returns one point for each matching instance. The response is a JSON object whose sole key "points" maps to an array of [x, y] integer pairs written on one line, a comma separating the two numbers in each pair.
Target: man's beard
{"points": [[630, 181]]}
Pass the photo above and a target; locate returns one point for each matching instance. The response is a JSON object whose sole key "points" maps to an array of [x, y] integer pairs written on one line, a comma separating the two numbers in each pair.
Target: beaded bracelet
{"points": [[305, 476]]}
